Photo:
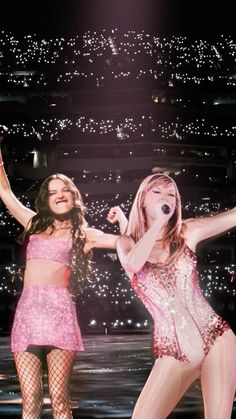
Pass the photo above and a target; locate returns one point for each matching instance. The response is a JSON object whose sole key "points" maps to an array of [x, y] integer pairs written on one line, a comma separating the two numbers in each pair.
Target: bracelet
{"points": [[2, 163]]}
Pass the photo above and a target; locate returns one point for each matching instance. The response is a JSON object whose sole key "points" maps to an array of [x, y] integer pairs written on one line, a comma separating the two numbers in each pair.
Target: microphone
{"points": [[165, 208]]}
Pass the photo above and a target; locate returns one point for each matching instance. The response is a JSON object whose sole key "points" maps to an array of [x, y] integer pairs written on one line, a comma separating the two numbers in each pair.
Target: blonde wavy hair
{"points": [[173, 235]]}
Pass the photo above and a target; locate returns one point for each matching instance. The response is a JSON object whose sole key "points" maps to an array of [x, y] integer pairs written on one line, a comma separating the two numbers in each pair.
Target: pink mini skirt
{"points": [[46, 315]]}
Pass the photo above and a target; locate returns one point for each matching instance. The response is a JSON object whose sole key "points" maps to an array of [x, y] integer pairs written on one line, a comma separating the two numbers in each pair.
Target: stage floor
{"points": [[106, 380]]}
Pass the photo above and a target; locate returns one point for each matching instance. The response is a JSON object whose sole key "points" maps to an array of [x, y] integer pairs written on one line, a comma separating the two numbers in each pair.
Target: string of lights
{"points": [[133, 128], [110, 56]]}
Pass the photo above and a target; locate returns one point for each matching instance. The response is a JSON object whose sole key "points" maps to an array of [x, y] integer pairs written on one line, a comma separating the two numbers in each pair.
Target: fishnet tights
{"points": [[60, 364], [30, 372]]}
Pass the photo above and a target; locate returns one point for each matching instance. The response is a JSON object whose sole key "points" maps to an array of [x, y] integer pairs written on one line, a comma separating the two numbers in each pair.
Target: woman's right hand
{"points": [[163, 212]]}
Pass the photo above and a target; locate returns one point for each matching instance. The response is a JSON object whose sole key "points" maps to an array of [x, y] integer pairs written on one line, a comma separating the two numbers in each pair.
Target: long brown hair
{"points": [[80, 261], [173, 235]]}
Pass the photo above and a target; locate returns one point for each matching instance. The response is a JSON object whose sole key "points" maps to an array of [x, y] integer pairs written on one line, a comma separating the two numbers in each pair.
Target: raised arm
{"points": [[134, 255], [116, 215], [98, 239], [203, 228], [21, 213]]}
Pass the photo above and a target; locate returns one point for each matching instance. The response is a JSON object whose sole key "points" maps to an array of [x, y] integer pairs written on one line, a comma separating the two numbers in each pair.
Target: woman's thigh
{"points": [[218, 377], [60, 364], [166, 384], [29, 371]]}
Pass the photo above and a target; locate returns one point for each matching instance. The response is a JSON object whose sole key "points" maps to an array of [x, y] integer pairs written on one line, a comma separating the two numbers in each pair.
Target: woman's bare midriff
{"points": [[46, 272]]}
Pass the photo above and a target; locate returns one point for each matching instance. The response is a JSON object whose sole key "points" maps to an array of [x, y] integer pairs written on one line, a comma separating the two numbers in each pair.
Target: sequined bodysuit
{"points": [[185, 325]]}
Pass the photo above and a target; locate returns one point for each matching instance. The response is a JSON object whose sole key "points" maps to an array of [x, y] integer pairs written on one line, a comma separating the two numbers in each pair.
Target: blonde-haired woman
{"points": [[190, 339]]}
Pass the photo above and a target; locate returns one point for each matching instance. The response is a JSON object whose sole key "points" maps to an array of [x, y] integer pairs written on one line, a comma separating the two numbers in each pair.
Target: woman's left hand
{"points": [[116, 215]]}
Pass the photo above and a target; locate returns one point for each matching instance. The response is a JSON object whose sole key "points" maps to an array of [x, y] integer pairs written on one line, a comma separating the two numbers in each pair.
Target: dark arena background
{"points": [[108, 92]]}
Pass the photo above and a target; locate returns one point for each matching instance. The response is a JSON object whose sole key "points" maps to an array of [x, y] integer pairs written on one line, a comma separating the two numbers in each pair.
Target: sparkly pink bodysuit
{"points": [[185, 325], [46, 314]]}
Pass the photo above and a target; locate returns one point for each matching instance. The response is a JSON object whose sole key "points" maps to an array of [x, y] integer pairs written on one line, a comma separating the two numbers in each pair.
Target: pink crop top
{"points": [[54, 249]]}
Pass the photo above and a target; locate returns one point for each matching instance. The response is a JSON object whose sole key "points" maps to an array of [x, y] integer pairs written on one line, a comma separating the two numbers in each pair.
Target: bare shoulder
{"points": [[91, 233], [191, 224], [125, 242], [194, 224], [123, 246], [191, 233]]}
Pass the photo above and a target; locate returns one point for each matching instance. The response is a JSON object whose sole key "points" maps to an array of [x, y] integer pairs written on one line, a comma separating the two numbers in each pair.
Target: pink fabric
{"points": [[46, 315], [185, 325], [54, 249]]}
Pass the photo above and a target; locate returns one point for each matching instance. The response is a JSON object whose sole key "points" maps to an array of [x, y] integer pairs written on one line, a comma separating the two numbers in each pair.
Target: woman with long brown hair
{"points": [[45, 327], [190, 339]]}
